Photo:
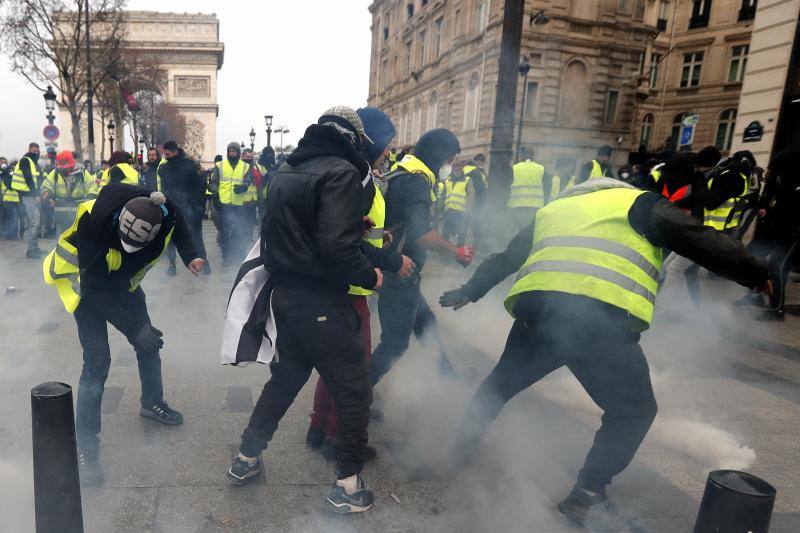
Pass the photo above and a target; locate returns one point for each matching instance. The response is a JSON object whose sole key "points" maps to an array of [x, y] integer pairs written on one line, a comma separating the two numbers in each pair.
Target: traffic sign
{"points": [[687, 136], [691, 120], [51, 132], [753, 132]]}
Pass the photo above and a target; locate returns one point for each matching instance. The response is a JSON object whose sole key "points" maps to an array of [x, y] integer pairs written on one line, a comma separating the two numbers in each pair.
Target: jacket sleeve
{"points": [[27, 172], [338, 231], [182, 237], [382, 258], [498, 267], [665, 225], [213, 182], [721, 191], [584, 173]]}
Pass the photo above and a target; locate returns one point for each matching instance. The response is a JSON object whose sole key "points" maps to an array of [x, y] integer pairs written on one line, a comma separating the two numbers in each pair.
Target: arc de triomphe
{"points": [[188, 49]]}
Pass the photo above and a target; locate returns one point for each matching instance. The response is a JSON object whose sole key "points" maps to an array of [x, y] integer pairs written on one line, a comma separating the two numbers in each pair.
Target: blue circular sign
{"points": [[51, 132]]}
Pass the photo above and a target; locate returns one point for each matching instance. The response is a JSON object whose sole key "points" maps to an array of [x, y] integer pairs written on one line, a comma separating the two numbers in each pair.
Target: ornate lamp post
{"points": [[524, 68], [50, 105], [268, 121], [111, 127], [252, 138]]}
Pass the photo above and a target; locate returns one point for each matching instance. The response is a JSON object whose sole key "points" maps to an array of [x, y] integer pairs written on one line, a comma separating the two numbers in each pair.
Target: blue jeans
{"points": [[11, 222], [127, 312], [403, 310]]}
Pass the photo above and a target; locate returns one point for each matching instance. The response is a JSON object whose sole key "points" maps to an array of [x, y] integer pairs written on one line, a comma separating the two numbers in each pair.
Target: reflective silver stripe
{"points": [[76, 284], [596, 243], [713, 218], [576, 267], [375, 233], [66, 209], [66, 255]]}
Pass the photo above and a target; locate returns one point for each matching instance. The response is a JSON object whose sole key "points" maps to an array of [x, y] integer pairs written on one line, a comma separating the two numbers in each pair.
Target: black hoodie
{"points": [[311, 233], [98, 232]]}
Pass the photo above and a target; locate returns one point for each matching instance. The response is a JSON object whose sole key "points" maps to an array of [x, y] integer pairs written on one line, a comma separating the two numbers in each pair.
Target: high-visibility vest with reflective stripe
{"points": [[61, 266], [158, 172], [377, 213], [9, 195], [469, 168], [251, 196], [597, 170], [230, 177], [79, 190], [656, 172], [583, 244], [18, 182], [131, 175], [527, 189], [722, 218], [455, 196], [560, 184]]}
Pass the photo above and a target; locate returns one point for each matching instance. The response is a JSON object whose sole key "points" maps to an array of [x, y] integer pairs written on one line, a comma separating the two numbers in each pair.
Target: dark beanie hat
{"points": [[436, 147], [172, 146], [708, 157], [119, 157], [378, 127]]}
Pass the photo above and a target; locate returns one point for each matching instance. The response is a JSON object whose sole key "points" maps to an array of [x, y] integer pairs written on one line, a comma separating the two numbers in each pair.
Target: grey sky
{"points": [[288, 58]]}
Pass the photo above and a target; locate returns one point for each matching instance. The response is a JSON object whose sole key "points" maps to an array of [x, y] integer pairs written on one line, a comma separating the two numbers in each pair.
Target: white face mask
{"points": [[445, 171]]}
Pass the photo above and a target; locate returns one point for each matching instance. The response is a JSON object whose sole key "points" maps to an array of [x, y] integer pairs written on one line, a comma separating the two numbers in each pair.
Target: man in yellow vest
{"points": [[599, 167], [97, 267], [251, 201], [229, 184], [10, 202], [530, 189], [65, 187], [119, 170], [587, 270], [458, 201], [26, 180]]}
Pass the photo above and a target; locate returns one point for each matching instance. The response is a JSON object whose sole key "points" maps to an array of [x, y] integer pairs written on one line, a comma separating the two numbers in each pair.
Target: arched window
{"points": [[647, 130], [727, 123], [675, 132], [433, 110], [471, 103], [575, 95]]}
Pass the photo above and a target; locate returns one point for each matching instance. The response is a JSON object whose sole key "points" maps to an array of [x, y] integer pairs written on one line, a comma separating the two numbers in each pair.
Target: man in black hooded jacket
{"points": [[311, 245]]}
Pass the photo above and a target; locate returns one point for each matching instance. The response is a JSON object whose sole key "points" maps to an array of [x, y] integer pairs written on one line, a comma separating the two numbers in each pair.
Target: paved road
{"points": [[728, 388]]}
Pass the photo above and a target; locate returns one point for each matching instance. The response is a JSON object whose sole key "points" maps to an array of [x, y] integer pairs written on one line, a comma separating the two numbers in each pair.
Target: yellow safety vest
{"points": [[455, 198], [375, 236], [560, 184], [251, 196], [527, 189], [597, 171], [83, 186], [718, 218], [230, 177], [9, 195], [131, 175], [469, 168], [413, 165], [18, 182], [61, 267], [583, 244]]}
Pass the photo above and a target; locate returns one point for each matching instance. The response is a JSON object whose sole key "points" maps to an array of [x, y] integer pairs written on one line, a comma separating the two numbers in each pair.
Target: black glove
{"points": [[148, 339], [456, 299], [240, 189]]}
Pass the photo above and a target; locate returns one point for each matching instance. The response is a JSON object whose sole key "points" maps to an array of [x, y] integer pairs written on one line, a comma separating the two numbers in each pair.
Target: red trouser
{"points": [[324, 414]]}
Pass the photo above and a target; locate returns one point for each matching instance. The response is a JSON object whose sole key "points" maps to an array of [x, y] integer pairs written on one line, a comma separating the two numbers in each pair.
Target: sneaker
{"points": [[771, 315], [375, 414], [161, 412], [90, 471], [328, 451], [592, 511], [172, 271], [241, 472], [36, 253], [315, 438], [360, 501]]}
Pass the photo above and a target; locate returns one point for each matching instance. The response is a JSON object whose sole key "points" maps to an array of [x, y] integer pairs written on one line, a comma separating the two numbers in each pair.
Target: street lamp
{"points": [[282, 130], [111, 128], [241, 145], [252, 138], [524, 68], [268, 121], [50, 104]]}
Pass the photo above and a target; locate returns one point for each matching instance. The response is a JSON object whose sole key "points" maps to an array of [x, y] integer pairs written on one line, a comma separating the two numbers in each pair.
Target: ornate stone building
{"points": [[187, 48], [435, 64]]}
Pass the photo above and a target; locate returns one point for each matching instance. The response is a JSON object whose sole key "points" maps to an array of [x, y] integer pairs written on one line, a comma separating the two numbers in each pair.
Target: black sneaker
{"points": [[34, 254], [161, 412], [592, 511], [328, 451], [315, 438], [360, 501], [241, 472], [90, 471], [172, 271]]}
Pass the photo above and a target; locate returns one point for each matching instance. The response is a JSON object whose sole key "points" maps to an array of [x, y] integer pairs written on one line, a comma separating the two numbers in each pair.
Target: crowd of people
{"points": [[346, 216]]}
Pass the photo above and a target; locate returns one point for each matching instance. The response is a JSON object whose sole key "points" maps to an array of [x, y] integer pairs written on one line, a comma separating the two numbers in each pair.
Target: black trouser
{"points": [[455, 223], [608, 363], [781, 260], [236, 232], [127, 312], [316, 329], [194, 221]]}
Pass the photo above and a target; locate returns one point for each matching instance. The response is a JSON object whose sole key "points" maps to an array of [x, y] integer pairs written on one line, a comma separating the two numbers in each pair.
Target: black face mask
{"points": [[34, 157]]}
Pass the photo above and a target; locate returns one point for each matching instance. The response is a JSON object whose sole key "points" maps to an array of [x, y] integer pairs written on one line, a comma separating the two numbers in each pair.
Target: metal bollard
{"points": [[735, 502], [56, 485]]}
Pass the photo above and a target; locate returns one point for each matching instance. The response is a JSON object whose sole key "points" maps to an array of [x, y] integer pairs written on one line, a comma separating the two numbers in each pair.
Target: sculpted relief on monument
{"points": [[195, 137], [192, 86]]}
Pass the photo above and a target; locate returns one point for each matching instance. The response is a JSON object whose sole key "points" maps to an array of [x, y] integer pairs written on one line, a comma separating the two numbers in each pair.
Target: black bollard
{"points": [[56, 485], [735, 502]]}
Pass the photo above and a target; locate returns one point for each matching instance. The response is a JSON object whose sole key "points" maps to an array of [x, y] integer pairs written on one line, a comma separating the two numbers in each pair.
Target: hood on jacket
{"points": [[378, 126], [436, 147], [118, 157], [233, 146], [323, 140], [267, 158], [109, 202]]}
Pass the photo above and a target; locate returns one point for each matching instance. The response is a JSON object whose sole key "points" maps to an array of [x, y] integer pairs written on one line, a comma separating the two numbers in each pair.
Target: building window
{"points": [[748, 11], [655, 65], [623, 5], [408, 58], [410, 9], [647, 131], [611, 106], [483, 15], [438, 32], [385, 32], [738, 62], [727, 123], [531, 94], [433, 110], [692, 65], [663, 10], [575, 95], [421, 49], [471, 103], [701, 10], [384, 71]]}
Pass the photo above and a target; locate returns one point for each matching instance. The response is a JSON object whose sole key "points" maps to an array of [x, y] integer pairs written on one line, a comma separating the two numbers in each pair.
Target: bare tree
{"points": [[46, 41]]}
